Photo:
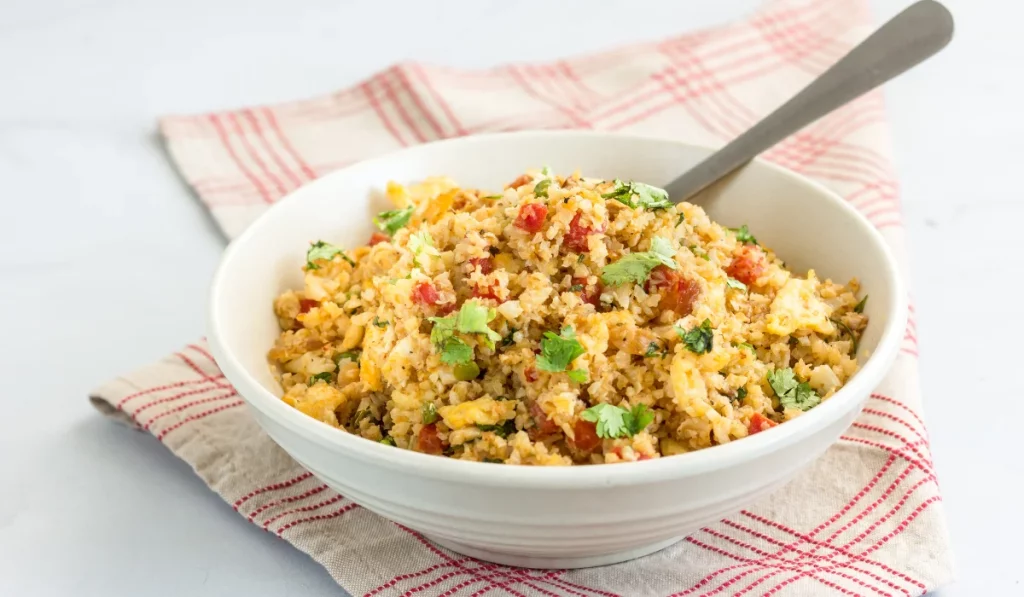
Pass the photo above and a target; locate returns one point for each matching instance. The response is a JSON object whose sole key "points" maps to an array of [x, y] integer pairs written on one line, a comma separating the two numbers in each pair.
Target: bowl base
{"points": [[524, 561]]}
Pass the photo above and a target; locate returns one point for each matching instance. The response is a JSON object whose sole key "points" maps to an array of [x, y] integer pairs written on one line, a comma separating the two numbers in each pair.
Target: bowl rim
{"points": [[574, 477]]}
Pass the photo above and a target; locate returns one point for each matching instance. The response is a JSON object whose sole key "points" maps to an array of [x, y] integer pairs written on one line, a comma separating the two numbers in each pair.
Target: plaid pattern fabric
{"points": [[865, 520]]}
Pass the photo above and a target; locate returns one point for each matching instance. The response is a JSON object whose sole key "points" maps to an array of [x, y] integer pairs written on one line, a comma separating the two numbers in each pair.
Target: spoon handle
{"points": [[907, 39]]}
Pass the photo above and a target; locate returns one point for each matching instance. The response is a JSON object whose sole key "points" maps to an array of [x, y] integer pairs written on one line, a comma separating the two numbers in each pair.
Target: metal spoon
{"points": [[906, 40]]}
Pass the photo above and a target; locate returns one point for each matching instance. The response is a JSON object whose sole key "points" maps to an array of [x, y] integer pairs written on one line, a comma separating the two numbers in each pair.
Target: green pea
{"points": [[466, 371]]}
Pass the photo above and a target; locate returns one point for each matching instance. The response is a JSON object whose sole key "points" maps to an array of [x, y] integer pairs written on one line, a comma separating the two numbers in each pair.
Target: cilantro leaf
{"points": [[746, 345], [734, 283], [557, 352], [541, 188], [608, 419], [545, 171], [635, 267], [700, 339], [444, 328], [421, 244], [504, 430], [654, 350], [859, 308], [494, 197], [321, 250], [791, 393], [377, 321], [509, 338], [473, 318], [576, 288], [615, 421], [390, 221], [455, 351], [680, 218], [646, 196], [388, 441], [429, 413], [741, 393], [743, 235], [324, 377], [579, 375], [842, 326]]}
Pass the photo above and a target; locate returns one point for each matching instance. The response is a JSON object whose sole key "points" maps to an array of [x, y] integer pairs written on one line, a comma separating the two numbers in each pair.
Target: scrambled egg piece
{"points": [[797, 306], [688, 387], [319, 401], [482, 411]]}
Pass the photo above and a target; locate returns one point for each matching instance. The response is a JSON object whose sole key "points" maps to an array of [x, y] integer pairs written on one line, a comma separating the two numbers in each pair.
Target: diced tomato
{"points": [[543, 426], [446, 308], [586, 435], [425, 294], [306, 304], [576, 239], [530, 373], [378, 237], [428, 441], [486, 264], [591, 293], [759, 423], [523, 179], [677, 292], [748, 264], [489, 291], [531, 217]]}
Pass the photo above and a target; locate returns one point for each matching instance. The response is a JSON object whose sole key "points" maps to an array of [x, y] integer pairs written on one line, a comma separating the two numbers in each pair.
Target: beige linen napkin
{"points": [[866, 520]]}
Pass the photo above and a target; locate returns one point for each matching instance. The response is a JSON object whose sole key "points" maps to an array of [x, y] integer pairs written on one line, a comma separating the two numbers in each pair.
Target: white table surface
{"points": [[105, 257]]}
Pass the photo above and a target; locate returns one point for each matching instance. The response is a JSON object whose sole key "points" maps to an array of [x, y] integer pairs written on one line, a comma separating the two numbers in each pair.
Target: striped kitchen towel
{"points": [[865, 520]]}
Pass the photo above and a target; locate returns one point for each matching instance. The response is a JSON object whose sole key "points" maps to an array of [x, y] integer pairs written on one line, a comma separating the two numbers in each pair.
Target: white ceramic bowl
{"points": [[533, 516]]}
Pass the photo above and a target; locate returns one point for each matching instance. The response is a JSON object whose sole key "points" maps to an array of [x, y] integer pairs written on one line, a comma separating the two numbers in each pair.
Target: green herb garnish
{"points": [[743, 235], [636, 267], [646, 196], [849, 332], [455, 351], [504, 430], [472, 318], [509, 338], [429, 413], [581, 258], [654, 350], [741, 393], [392, 220], [352, 355], [700, 339], [321, 250], [576, 288], [699, 253], [557, 352], [680, 219], [579, 375], [377, 321], [746, 345], [615, 421], [734, 283], [325, 377], [388, 441], [494, 197], [541, 188], [791, 393], [859, 308]]}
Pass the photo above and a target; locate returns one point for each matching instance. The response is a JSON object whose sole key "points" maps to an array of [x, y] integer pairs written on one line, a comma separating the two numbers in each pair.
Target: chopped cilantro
{"points": [[466, 371], [388, 441], [352, 355], [541, 188], [380, 323], [849, 332], [390, 221], [646, 196], [700, 339], [455, 351], [615, 421], [635, 267], [746, 345], [699, 253], [429, 413], [494, 197], [557, 352], [579, 375], [680, 218], [420, 243], [859, 308], [576, 288], [654, 350], [472, 318], [743, 235], [741, 393], [321, 250], [581, 258], [734, 283], [791, 393], [509, 338], [324, 377], [545, 171], [504, 430]]}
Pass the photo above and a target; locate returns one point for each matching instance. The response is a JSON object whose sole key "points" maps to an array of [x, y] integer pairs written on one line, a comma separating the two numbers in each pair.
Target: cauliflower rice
{"points": [[565, 320]]}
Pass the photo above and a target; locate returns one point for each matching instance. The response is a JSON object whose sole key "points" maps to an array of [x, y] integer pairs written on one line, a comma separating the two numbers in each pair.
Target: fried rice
{"points": [[564, 320]]}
